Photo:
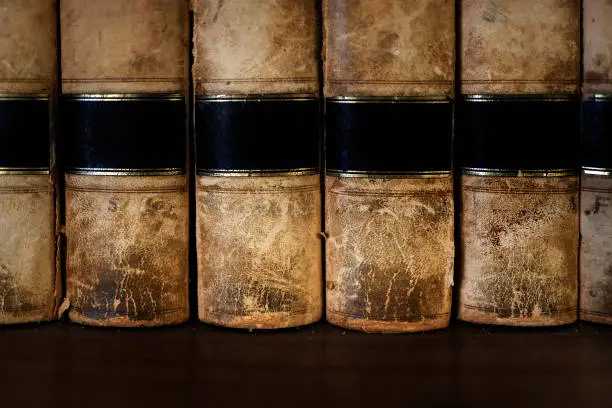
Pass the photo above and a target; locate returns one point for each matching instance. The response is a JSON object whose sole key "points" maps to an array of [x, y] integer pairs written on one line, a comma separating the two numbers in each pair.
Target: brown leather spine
{"points": [[30, 289], [127, 236], [390, 248], [595, 253], [520, 46], [519, 250], [597, 26], [258, 237], [389, 253]]}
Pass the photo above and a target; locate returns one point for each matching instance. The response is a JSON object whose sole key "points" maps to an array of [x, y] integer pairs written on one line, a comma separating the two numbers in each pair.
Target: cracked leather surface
{"points": [[596, 249], [27, 249], [518, 250], [135, 46], [127, 250], [390, 253], [389, 47], [597, 26], [520, 46], [259, 251], [255, 47]]}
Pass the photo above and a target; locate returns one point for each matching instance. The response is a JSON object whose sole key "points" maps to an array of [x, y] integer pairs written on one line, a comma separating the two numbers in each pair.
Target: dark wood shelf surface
{"points": [[66, 365]]}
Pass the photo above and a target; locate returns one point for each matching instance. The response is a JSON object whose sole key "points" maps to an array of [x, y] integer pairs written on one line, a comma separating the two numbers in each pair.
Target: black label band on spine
{"points": [[257, 136], [388, 137], [124, 134], [597, 135], [24, 134], [537, 136]]}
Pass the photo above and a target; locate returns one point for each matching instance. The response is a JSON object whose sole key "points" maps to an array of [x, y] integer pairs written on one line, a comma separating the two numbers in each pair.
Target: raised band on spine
{"points": [[24, 134], [258, 136], [518, 135], [388, 137], [597, 135], [124, 134]]}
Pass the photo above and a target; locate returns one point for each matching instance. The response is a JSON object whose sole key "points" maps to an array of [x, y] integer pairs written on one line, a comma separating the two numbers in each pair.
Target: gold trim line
{"points": [[600, 97], [25, 96], [22, 171], [526, 97], [597, 171], [471, 171], [257, 98], [388, 99], [126, 172], [125, 97], [258, 173], [389, 174]]}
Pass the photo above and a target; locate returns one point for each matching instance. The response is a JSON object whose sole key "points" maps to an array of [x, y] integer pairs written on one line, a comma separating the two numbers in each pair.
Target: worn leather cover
{"points": [[517, 143], [389, 74], [30, 285], [596, 185], [520, 46], [258, 185], [597, 29], [126, 197]]}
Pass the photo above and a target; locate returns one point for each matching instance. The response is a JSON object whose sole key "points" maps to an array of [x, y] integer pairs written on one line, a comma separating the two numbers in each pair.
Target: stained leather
{"points": [[597, 29]]}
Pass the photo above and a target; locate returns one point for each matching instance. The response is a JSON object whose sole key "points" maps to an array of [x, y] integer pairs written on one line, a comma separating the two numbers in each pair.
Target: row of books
{"points": [[96, 159]]}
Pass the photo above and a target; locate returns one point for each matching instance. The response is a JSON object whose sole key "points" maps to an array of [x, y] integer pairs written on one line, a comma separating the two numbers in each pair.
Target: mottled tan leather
{"points": [[520, 46], [27, 249], [135, 46], [596, 249], [597, 26], [255, 47], [519, 250], [259, 251], [27, 46], [389, 47], [127, 250], [390, 253]]}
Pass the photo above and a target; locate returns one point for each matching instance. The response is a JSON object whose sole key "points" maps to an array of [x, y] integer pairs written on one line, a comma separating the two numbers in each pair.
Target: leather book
{"points": [[389, 84], [518, 138], [596, 176], [258, 195], [123, 123], [30, 288]]}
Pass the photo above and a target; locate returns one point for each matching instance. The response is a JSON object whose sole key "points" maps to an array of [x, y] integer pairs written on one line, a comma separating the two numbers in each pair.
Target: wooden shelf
{"points": [[66, 365]]}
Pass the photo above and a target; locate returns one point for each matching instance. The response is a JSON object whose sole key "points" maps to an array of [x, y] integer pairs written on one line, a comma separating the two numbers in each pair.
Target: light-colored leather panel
{"points": [[390, 253], [596, 249], [518, 250], [597, 26], [259, 251], [27, 46], [134, 46], [27, 249], [255, 47], [389, 47], [127, 249], [520, 46]]}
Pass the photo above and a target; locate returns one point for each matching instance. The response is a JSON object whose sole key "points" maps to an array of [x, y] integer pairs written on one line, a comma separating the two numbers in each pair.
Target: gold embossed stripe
{"points": [[597, 171], [118, 97], [389, 174], [387, 99], [126, 172], [472, 171], [519, 97], [250, 98], [309, 171], [22, 97], [19, 171]]}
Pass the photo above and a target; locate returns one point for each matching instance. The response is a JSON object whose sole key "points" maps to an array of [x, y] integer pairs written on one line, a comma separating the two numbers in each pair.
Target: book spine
{"points": [[123, 113], [389, 81], [29, 286], [258, 183], [596, 176], [518, 126]]}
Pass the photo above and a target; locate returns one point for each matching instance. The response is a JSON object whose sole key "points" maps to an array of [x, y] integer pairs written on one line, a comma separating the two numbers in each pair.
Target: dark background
{"points": [[67, 365]]}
